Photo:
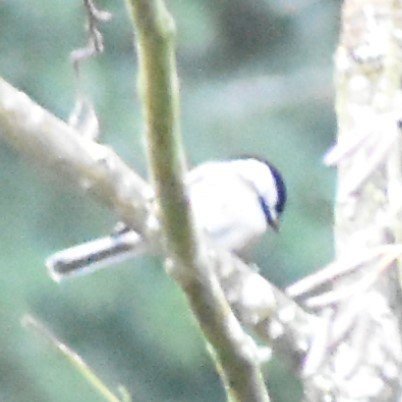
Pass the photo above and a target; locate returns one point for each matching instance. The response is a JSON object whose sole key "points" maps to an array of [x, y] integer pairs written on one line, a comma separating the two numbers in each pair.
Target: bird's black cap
{"points": [[279, 183], [281, 187]]}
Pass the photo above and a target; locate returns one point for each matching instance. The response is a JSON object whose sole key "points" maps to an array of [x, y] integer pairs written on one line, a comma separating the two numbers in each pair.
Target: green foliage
{"points": [[255, 78]]}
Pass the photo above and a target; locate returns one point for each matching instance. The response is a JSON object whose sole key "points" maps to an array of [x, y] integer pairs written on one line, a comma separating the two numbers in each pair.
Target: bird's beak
{"points": [[274, 223]]}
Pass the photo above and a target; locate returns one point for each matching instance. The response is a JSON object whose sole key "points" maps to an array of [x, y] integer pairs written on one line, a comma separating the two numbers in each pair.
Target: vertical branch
{"points": [[189, 263], [158, 84]]}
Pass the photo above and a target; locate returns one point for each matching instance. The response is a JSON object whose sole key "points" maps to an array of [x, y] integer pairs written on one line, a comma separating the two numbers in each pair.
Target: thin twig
{"points": [[73, 357], [344, 265]]}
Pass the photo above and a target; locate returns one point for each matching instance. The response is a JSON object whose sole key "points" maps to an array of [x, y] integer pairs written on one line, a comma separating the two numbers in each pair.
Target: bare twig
{"points": [[343, 266], [95, 38], [74, 358], [83, 116]]}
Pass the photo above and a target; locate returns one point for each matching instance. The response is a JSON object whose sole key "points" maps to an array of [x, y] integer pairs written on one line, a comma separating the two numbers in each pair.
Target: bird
{"points": [[233, 201]]}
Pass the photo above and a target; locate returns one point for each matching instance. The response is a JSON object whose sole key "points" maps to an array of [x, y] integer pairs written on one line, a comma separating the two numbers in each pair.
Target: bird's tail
{"points": [[96, 254]]}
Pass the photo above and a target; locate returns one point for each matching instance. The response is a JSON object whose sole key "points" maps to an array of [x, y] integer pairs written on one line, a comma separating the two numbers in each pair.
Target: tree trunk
{"points": [[358, 356]]}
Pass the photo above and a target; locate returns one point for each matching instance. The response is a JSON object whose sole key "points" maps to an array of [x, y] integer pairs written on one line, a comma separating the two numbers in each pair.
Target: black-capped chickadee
{"points": [[233, 201]]}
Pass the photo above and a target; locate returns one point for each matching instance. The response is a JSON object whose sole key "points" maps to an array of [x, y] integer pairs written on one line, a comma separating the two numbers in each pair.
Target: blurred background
{"points": [[256, 78]]}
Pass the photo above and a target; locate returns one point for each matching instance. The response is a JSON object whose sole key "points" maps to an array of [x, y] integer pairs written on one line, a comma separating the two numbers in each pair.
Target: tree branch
{"points": [[95, 168], [188, 258], [158, 85]]}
